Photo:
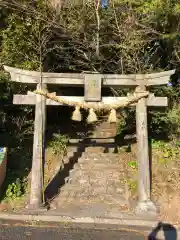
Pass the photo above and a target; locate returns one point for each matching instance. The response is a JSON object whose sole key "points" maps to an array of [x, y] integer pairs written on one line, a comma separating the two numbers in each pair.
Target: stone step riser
{"points": [[76, 179], [92, 151], [72, 188], [97, 173], [85, 180], [73, 155], [88, 200], [97, 155], [100, 157], [107, 154], [99, 166], [97, 161], [93, 184], [100, 150], [113, 169], [89, 195], [109, 199], [83, 160]]}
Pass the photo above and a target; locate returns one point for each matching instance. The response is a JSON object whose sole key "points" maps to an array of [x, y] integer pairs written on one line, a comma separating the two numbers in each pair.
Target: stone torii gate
{"points": [[92, 85]]}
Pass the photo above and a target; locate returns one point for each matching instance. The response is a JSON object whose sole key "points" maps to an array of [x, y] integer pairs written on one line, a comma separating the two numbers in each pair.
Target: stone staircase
{"points": [[96, 177]]}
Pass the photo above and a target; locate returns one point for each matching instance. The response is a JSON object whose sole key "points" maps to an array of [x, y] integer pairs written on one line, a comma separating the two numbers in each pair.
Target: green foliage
{"points": [[177, 8], [168, 151], [59, 144], [19, 165], [132, 185], [141, 38], [132, 164], [121, 125], [157, 144], [14, 190], [25, 37], [15, 38], [174, 118]]}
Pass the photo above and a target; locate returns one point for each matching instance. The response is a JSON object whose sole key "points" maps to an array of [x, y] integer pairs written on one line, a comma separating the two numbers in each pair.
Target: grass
{"points": [[59, 144]]}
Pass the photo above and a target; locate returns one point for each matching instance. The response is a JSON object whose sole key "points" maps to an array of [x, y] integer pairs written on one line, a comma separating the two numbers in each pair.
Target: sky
{"points": [[104, 3]]}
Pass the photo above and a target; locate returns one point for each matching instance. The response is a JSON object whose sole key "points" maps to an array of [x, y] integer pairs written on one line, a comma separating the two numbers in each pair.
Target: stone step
{"points": [[91, 140], [103, 158], [79, 179], [87, 195], [115, 199], [72, 154], [100, 155], [104, 172], [74, 149], [96, 167], [86, 180], [100, 149], [65, 160], [90, 192], [99, 161], [95, 171], [81, 187], [92, 159], [99, 165]]}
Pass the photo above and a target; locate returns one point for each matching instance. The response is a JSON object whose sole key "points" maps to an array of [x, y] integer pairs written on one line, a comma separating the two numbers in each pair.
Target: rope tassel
{"points": [[76, 116], [112, 116], [92, 116]]}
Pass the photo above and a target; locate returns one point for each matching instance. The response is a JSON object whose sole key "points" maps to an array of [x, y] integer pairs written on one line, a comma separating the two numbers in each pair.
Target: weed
{"points": [[132, 164], [157, 144], [16, 181], [174, 117], [14, 189], [132, 185], [59, 144], [163, 161], [168, 151], [121, 125]]}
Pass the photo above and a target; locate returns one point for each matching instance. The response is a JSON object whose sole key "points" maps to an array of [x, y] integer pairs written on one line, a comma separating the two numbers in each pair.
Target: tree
{"points": [[126, 37]]}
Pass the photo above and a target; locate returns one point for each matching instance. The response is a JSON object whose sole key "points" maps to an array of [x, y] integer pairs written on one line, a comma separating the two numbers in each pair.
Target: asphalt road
{"points": [[8, 232]]}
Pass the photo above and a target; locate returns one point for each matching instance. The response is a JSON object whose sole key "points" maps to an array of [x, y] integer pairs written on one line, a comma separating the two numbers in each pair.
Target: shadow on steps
{"points": [[58, 181]]}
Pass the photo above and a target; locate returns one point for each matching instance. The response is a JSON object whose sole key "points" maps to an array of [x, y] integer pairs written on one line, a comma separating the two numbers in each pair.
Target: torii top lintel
{"points": [[77, 79]]}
